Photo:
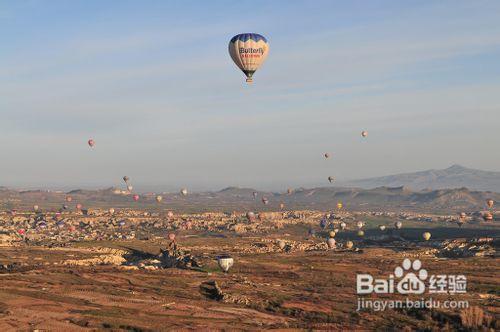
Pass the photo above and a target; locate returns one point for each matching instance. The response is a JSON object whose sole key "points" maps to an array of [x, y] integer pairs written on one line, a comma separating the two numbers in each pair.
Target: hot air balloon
{"points": [[331, 243], [364, 133], [330, 178], [265, 200], [125, 179], [349, 244], [248, 51], [35, 207], [490, 203], [359, 224], [462, 215], [91, 143], [135, 197], [343, 225], [111, 211], [426, 236], [361, 233], [121, 223], [250, 216], [184, 192], [487, 216], [332, 233], [159, 198], [225, 262], [327, 155], [64, 207], [289, 191], [282, 206], [69, 199], [171, 236], [254, 194], [382, 227], [21, 231], [339, 205], [130, 188], [170, 214], [79, 206], [398, 224], [281, 244], [188, 224]]}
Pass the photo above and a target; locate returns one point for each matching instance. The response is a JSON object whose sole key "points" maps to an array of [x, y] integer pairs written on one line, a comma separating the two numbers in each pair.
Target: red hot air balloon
{"points": [[21, 231], [91, 143], [136, 197], [79, 206]]}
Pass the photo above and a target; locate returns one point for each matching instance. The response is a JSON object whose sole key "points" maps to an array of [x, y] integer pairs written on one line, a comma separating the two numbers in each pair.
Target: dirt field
{"points": [[266, 288]]}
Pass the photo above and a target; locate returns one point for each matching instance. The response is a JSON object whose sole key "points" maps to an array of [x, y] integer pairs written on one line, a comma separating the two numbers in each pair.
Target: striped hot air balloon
{"points": [[248, 51]]}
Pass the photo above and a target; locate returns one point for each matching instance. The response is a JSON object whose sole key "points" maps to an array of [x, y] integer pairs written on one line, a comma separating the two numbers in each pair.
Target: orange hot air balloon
{"points": [[135, 197], [69, 199], [339, 205], [487, 216], [91, 143]]}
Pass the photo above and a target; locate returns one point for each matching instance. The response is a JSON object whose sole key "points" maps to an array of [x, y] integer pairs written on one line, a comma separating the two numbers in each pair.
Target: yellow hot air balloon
{"points": [[248, 51], [349, 244], [426, 236], [159, 198], [339, 205]]}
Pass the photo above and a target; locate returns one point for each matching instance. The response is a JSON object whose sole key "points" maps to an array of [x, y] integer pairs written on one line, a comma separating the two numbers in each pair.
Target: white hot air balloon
{"points": [[225, 263], [248, 51], [331, 243], [184, 192]]}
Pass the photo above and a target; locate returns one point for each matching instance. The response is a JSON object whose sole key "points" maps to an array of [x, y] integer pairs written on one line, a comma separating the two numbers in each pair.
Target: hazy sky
{"points": [[152, 83]]}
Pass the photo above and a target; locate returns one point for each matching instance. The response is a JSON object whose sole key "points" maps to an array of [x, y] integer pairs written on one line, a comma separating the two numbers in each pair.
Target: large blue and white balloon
{"points": [[248, 51]]}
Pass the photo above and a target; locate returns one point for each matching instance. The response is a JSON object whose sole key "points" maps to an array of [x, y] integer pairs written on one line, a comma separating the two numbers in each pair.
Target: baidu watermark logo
{"points": [[409, 279]]}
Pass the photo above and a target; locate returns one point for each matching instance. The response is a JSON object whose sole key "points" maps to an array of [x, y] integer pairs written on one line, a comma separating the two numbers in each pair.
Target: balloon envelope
{"points": [[159, 198], [364, 133], [426, 236], [331, 243], [225, 263], [136, 197], [248, 51], [91, 143]]}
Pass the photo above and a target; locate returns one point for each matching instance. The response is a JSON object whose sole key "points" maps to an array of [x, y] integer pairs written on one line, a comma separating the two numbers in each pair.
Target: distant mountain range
{"points": [[455, 176], [242, 199]]}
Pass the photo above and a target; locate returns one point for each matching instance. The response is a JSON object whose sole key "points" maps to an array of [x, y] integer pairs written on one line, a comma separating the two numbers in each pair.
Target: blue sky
{"points": [[152, 83]]}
